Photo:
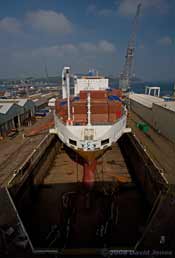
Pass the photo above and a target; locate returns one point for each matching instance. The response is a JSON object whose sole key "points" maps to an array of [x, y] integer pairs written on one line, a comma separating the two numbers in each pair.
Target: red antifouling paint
{"points": [[89, 173]]}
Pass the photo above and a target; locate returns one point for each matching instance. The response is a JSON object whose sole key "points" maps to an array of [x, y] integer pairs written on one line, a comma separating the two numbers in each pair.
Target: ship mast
{"points": [[66, 88], [89, 108]]}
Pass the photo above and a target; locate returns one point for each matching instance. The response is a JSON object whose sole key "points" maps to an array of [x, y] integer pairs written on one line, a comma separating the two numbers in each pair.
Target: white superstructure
{"points": [[90, 83]]}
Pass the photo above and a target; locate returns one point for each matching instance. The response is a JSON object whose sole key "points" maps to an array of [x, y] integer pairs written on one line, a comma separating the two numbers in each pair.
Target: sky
{"points": [[85, 34]]}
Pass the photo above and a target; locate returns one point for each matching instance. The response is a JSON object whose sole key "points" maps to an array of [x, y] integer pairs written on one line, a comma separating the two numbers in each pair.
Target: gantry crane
{"points": [[125, 76]]}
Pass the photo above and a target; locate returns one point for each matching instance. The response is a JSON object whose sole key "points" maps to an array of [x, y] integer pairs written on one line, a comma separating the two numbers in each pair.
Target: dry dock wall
{"points": [[33, 170], [142, 111], [142, 168], [24, 195], [164, 121], [159, 117]]}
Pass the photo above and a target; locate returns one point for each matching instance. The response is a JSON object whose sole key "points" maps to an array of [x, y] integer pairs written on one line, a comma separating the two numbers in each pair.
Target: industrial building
{"points": [[156, 112], [40, 104], [14, 113]]}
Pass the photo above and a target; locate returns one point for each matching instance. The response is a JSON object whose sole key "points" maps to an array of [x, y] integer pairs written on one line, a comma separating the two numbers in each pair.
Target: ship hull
{"points": [[90, 156], [90, 141]]}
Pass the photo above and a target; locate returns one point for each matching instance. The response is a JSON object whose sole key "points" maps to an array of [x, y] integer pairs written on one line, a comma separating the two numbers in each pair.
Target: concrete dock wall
{"points": [[32, 167], [160, 118], [143, 170], [142, 111], [164, 121]]}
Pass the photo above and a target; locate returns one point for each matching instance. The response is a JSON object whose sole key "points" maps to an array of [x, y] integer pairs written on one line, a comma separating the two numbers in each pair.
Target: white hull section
{"points": [[90, 137]]}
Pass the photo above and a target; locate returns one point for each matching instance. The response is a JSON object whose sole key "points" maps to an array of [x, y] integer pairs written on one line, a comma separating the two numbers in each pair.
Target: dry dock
{"points": [[45, 210], [64, 177]]}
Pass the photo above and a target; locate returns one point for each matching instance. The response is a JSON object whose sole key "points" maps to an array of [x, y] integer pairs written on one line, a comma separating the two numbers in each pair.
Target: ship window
{"points": [[106, 141], [72, 142]]}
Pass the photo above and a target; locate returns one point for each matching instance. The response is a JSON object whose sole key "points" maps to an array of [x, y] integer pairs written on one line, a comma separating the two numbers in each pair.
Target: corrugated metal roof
{"points": [[170, 105], [20, 102], [41, 102], [8, 111], [145, 100], [4, 107]]}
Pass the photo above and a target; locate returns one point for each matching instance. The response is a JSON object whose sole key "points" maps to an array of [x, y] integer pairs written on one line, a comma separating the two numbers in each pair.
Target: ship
{"points": [[90, 119]]}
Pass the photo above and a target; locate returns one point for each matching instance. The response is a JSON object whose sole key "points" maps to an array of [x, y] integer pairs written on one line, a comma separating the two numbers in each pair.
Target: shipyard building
{"points": [[14, 113], [156, 112]]}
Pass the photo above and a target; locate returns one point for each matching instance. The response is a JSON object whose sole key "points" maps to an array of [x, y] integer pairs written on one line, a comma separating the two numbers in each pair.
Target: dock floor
{"points": [[111, 167]]}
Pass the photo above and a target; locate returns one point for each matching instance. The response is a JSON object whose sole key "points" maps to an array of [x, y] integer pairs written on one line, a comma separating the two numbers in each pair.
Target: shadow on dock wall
{"points": [[142, 168], [67, 216]]}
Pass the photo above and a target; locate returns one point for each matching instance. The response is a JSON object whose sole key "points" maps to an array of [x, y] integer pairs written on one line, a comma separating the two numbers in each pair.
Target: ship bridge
{"points": [[91, 81]]}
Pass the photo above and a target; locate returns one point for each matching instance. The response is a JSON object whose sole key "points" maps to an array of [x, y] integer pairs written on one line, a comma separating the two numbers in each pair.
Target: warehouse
{"points": [[156, 112], [40, 104], [14, 113], [28, 110], [9, 117]]}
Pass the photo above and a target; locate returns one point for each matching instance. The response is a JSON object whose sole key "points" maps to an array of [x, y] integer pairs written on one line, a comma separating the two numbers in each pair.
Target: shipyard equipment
{"points": [[125, 76], [143, 127]]}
